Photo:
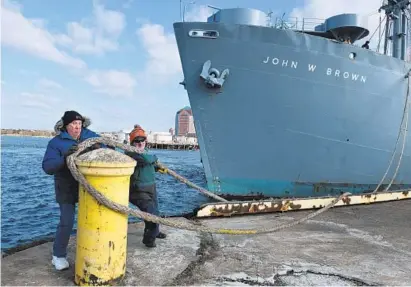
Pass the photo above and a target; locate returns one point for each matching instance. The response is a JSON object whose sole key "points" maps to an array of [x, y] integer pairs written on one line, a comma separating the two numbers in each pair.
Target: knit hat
{"points": [[71, 116], [137, 132]]}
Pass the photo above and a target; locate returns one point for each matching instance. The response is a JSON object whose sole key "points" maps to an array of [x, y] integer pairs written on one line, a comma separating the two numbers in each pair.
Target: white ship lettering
{"points": [[346, 75], [284, 63], [311, 67]]}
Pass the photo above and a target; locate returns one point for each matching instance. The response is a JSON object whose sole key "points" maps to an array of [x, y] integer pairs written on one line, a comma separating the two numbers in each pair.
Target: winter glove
{"points": [[162, 170], [72, 150], [93, 147]]}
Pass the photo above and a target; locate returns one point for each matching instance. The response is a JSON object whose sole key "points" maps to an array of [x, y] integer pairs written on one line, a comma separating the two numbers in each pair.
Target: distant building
{"points": [[161, 137], [186, 140], [184, 122]]}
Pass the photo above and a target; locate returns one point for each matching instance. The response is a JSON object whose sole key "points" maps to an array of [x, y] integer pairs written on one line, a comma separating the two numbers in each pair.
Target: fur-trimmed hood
{"points": [[58, 127]]}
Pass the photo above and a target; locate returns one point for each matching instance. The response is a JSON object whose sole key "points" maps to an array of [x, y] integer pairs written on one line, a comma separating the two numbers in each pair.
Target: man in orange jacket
{"points": [[143, 191]]}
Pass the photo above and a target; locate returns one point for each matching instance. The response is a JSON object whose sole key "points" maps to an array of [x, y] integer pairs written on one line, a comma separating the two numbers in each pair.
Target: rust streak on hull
{"points": [[293, 204]]}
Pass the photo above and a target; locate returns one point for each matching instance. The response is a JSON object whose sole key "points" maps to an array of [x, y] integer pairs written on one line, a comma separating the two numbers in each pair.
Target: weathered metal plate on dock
{"points": [[292, 204]]}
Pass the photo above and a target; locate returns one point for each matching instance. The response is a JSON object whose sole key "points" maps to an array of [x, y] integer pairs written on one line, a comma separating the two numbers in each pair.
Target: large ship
{"points": [[297, 112]]}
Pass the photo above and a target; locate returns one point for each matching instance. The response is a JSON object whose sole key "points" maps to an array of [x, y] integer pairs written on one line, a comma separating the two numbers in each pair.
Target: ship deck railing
{"points": [[296, 23]]}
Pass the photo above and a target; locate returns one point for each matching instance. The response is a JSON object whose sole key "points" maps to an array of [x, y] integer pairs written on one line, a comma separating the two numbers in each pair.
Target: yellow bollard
{"points": [[102, 233]]}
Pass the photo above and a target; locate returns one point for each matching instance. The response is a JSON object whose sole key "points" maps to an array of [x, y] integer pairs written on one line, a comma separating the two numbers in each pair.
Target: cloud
{"points": [[3, 82], [30, 36], [49, 84], [321, 9], [109, 21], [35, 104], [128, 3], [37, 101], [25, 72], [116, 114], [161, 47], [112, 82], [11, 5], [142, 21], [199, 13], [163, 57], [96, 35]]}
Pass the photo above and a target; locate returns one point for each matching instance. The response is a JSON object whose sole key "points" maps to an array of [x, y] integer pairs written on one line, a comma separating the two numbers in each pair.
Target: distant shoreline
{"points": [[28, 133], [33, 136]]}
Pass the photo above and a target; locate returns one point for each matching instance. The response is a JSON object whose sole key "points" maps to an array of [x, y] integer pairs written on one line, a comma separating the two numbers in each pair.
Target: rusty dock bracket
{"points": [[219, 209]]}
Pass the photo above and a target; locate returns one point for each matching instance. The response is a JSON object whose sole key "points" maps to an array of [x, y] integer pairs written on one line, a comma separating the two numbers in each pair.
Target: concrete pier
{"points": [[356, 245], [172, 146]]}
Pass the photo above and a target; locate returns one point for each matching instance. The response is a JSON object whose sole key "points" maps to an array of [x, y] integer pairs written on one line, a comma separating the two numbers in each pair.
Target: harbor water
{"points": [[29, 211]]}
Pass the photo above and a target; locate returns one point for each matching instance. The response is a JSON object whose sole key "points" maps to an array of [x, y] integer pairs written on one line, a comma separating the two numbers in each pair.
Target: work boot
{"points": [[161, 235], [60, 263], [149, 242]]}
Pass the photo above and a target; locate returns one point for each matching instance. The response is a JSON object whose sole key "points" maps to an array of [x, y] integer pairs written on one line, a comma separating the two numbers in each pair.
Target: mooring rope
{"points": [[100, 198], [189, 183], [404, 117], [407, 111]]}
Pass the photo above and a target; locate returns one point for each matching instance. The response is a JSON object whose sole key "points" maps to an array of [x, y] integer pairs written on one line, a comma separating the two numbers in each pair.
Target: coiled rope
{"points": [[100, 198]]}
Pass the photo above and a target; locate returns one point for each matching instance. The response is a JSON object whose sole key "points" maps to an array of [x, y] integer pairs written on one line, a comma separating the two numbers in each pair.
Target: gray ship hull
{"points": [[296, 116]]}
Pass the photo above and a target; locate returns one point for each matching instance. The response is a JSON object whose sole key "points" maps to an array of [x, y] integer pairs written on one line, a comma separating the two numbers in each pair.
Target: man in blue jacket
{"points": [[70, 131]]}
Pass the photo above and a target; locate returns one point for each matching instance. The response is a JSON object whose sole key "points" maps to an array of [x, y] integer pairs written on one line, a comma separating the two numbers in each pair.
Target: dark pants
{"points": [[64, 229], [146, 200]]}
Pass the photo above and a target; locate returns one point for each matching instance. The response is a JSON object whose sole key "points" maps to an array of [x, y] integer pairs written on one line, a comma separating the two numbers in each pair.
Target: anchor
{"points": [[212, 77]]}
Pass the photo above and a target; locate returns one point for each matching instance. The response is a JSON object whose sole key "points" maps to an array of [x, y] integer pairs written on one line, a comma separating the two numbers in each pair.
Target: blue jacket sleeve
{"points": [[93, 134], [53, 160], [90, 134]]}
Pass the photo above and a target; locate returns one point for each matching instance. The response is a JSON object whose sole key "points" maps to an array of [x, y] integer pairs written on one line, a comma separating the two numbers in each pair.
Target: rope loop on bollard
{"points": [[101, 199]]}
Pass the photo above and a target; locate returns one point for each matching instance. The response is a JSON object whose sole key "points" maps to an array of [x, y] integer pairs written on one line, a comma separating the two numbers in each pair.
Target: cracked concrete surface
{"points": [[347, 246], [158, 266]]}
